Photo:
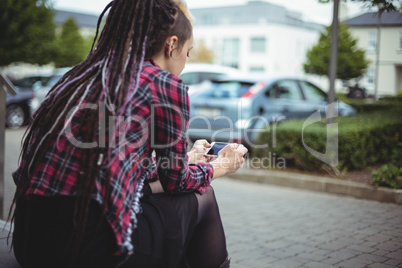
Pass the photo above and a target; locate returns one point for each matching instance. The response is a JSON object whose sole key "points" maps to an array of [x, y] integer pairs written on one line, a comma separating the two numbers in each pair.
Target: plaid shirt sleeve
{"points": [[170, 115]]}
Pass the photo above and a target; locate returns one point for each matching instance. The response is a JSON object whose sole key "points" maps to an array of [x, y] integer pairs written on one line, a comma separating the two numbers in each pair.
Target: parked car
{"points": [[237, 109], [31, 82], [41, 92], [18, 106], [195, 74]]}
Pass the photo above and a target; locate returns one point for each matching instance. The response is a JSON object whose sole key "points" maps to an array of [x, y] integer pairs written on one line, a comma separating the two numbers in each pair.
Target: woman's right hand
{"points": [[229, 160]]}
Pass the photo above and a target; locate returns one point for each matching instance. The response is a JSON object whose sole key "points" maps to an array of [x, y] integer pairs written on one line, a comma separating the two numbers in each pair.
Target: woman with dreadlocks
{"points": [[89, 193]]}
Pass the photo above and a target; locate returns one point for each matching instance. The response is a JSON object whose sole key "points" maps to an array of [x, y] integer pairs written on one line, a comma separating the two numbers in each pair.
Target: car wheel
{"points": [[15, 116]]}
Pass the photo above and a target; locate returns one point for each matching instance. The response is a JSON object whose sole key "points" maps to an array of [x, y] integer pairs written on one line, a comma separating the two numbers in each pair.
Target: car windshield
{"points": [[224, 90]]}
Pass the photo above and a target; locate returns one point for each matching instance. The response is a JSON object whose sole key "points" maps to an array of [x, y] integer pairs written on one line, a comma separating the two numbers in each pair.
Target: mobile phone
{"points": [[215, 148]]}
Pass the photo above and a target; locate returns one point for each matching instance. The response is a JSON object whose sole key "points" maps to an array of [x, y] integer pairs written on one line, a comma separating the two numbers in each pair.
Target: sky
{"points": [[312, 10]]}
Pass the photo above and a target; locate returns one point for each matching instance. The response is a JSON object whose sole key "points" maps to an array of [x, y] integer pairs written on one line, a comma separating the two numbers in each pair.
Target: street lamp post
{"points": [[333, 63], [377, 63]]}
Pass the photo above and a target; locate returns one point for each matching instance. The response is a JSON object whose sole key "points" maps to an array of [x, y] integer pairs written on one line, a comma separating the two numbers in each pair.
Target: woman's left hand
{"points": [[197, 153]]}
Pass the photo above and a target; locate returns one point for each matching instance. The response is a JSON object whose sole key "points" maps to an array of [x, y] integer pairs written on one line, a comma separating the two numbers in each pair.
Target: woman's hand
{"points": [[229, 160], [197, 153]]}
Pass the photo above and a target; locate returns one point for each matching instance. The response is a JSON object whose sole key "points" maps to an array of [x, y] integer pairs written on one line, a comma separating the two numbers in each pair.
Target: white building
{"points": [[388, 32], [258, 36]]}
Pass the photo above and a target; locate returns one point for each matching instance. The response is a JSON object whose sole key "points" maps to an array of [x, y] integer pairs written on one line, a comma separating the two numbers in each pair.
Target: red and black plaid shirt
{"points": [[159, 121]]}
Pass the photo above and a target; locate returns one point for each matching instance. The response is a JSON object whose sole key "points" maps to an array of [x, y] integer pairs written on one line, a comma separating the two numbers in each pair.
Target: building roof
{"points": [[371, 19], [254, 12], [82, 20]]}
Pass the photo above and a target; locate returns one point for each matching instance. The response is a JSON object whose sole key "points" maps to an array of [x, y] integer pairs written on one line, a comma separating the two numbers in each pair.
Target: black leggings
{"points": [[173, 231], [208, 244]]}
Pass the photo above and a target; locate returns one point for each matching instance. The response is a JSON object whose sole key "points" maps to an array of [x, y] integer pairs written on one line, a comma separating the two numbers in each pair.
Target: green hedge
{"points": [[370, 105], [364, 140]]}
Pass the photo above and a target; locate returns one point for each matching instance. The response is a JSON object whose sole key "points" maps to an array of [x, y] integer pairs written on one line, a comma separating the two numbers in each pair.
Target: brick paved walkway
{"points": [[269, 226]]}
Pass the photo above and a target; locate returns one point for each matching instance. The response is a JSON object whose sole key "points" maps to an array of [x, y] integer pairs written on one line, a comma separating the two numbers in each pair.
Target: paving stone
{"points": [[381, 252], [391, 246], [350, 264], [343, 254], [370, 244], [284, 264], [254, 263], [394, 262], [379, 238], [369, 258], [318, 265], [313, 257], [332, 246], [380, 265], [331, 261], [395, 255], [278, 244], [319, 251], [363, 249], [281, 254], [296, 249]]}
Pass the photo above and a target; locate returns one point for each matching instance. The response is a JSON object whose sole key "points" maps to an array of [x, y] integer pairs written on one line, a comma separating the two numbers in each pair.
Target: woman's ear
{"points": [[171, 44]]}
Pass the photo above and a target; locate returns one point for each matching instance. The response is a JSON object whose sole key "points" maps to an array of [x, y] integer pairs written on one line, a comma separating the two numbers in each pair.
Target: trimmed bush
{"points": [[364, 140], [387, 176], [369, 105]]}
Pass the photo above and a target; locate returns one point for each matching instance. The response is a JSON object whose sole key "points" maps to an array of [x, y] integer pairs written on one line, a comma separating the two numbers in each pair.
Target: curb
{"points": [[319, 184]]}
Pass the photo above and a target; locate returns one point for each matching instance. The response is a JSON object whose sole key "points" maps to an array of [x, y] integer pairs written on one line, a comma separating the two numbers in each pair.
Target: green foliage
{"points": [[387, 5], [369, 105], [364, 140], [88, 43], [352, 61], [72, 47], [396, 157], [388, 176], [27, 32]]}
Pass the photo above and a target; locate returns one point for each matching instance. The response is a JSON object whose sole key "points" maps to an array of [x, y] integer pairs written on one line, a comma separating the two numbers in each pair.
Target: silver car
{"points": [[196, 75], [237, 109]]}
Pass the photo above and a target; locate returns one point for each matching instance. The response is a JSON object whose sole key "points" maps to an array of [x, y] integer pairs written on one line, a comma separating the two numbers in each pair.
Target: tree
{"points": [[352, 61], [200, 53], [28, 32], [383, 5], [71, 46]]}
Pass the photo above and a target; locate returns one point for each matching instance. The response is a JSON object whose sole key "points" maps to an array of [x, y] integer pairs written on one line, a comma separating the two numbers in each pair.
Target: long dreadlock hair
{"points": [[135, 30]]}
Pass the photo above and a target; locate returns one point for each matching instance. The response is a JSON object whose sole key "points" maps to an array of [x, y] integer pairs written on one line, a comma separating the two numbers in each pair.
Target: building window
{"points": [[257, 69], [231, 52], [258, 44], [372, 42], [206, 20], [370, 76]]}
